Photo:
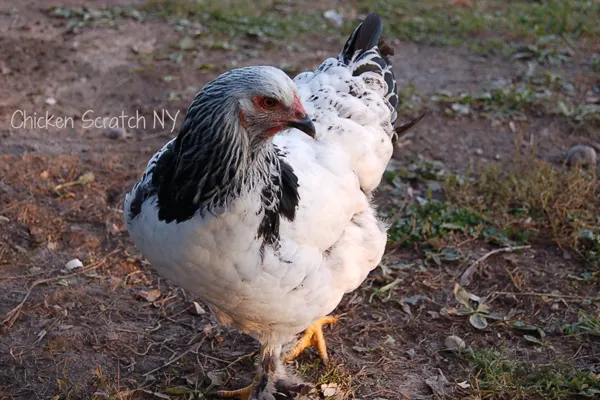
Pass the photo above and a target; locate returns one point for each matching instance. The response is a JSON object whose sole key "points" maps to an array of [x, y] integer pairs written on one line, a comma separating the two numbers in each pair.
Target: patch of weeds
{"points": [[542, 93], [531, 333], [497, 376], [580, 114], [473, 307], [428, 220], [556, 204], [80, 17], [503, 98], [483, 22], [586, 325], [445, 254], [240, 18], [547, 50]]}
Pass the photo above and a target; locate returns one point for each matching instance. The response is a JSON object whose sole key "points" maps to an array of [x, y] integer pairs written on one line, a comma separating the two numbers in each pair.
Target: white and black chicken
{"points": [[261, 204]]}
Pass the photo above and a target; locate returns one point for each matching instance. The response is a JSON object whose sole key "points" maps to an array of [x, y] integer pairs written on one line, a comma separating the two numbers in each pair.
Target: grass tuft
{"points": [[234, 19], [486, 25], [556, 204], [498, 376]]}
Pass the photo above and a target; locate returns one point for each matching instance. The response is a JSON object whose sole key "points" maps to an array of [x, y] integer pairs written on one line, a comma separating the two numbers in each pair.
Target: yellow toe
{"points": [[313, 336]]}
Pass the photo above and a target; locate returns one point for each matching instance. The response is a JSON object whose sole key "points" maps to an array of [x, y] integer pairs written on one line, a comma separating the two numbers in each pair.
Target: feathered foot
{"points": [[271, 382], [313, 336]]}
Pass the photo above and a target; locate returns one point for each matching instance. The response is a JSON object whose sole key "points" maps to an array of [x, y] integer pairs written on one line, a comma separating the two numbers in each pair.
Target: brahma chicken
{"points": [[261, 205]]}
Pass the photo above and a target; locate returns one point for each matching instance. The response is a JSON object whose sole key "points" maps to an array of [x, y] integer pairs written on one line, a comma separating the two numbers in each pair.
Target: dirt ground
{"points": [[114, 329]]}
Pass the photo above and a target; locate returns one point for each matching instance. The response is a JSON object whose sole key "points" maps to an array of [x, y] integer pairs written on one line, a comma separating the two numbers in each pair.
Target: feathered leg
{"points": [[313, 336], [271, 381]]}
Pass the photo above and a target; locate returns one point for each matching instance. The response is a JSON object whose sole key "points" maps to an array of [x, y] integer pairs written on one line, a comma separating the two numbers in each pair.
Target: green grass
{"points": [[240, 18], [497, 376], [487, 24], [429, 220]]}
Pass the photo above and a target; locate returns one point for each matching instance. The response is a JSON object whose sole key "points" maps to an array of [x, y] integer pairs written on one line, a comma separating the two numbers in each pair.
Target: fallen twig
{"points": [[560, 296], [12, 315], [176, 358], [465, 279]]}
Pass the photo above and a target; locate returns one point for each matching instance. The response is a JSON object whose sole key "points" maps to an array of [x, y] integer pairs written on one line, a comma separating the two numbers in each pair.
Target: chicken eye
{"points": [[268, 102]]}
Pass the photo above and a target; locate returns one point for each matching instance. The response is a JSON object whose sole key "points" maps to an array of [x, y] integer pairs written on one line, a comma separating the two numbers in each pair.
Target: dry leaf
{"points": [[149, 296], [196, 309]]}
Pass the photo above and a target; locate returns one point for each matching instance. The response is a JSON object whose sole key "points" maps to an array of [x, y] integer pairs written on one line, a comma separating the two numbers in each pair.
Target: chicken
{"points": [[261, 205]]}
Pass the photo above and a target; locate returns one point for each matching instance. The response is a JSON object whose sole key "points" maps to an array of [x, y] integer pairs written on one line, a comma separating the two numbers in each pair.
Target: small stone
{"points": [[455, 343], [581, 156], [479, 152], [50, 101], [73, 264], [144, 48], [4, 220], [498, 157]]}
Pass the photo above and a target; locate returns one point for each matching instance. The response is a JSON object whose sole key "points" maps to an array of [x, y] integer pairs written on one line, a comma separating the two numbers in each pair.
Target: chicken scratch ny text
{"points": [[161, 119]]}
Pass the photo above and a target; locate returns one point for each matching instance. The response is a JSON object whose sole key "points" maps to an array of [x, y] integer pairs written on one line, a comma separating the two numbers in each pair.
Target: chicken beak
{"points": [[305, 125]]}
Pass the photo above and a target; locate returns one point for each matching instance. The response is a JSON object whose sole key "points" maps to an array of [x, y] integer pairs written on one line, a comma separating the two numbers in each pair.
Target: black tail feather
{"points": [[365, 36], [402, 130]]}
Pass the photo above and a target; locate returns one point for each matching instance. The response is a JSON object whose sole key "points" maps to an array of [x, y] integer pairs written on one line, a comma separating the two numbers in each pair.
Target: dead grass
{"points": [[533, 199]]}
